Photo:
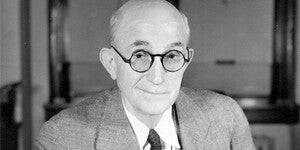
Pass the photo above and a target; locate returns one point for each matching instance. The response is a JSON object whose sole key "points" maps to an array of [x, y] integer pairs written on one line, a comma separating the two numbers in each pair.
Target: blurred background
{"points": [[245, 49]]}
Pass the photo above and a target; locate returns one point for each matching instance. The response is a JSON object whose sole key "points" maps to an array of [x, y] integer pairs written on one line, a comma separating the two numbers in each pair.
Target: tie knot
{"points": [[154, 139]]}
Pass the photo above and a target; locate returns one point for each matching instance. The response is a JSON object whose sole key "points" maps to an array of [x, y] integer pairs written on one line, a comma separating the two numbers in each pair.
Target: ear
{"points": [[108, 61], [191, 55]]}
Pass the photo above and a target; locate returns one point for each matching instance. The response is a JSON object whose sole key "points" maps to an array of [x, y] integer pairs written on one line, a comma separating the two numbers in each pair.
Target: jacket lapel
{"points": [[193, 123], [115, 132]]}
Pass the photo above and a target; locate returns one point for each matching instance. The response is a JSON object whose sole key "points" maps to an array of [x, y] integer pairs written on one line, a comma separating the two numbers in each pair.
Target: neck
{"points": [[149, 120]]}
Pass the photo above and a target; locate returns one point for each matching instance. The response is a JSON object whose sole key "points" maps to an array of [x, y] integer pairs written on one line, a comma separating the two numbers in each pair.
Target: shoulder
{"points": [[226, 119], [215, 106], [76, 124], [87, 111], [207, 99]]}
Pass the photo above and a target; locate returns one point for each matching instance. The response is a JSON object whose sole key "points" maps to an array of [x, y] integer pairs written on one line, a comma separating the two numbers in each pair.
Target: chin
{"points": [[157, 106], [154, 104], [154, 110]]}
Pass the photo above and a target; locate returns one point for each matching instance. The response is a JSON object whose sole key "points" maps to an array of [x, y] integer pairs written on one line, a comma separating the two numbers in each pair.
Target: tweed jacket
{"points": [[207, 121]]}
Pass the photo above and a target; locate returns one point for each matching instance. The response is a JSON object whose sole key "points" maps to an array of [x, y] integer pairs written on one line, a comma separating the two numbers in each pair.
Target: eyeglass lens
{"points": [[173, 60], [141, 61]]}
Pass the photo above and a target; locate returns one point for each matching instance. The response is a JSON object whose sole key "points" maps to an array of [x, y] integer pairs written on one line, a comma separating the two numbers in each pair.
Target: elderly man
{"points": [[149, 110]]}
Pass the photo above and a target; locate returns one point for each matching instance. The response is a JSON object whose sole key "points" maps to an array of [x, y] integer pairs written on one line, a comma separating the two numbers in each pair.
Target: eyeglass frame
{"points": [[152, 59]]}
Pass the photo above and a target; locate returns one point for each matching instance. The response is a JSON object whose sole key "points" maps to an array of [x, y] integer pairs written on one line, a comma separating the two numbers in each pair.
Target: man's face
{"points": [[154, 91]]}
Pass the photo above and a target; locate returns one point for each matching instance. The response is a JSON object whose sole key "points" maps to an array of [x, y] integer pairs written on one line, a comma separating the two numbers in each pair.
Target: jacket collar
{"points": [[114, 130], [193, 123]]}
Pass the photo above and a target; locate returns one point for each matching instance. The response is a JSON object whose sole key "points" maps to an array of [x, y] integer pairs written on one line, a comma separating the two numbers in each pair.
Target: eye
{"points": [[140, 54], [173, 55]]}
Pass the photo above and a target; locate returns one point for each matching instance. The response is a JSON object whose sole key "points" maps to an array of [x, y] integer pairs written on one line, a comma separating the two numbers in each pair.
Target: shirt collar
{"points": [[165, 128]]}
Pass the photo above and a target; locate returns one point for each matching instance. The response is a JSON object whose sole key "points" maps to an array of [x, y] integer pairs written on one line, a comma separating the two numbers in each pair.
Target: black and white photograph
{"points": [[149, 74]]}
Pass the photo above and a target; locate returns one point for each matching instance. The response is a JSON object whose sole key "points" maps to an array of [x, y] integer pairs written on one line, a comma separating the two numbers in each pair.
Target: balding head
{"points": [[159, 12]]}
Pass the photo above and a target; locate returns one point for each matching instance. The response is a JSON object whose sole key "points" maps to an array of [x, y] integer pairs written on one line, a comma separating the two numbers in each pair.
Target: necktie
{"points": [[154, 140]]}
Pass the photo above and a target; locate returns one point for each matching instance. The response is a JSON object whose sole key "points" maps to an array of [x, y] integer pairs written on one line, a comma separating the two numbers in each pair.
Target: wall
{"points": [[10, 41], [87, 32], [235, 30], [10, 46], [10, 52]]}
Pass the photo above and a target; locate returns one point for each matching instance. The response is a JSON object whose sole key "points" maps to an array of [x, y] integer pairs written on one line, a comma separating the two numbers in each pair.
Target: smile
{"points": [[152, 92]]}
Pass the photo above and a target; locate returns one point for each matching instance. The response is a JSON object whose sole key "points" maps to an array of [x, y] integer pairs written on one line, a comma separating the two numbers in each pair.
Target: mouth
{"points": [[153, 92]]}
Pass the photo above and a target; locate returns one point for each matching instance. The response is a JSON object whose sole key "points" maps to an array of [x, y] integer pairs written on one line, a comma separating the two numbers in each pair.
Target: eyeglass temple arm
{"points": [[124, 59]]}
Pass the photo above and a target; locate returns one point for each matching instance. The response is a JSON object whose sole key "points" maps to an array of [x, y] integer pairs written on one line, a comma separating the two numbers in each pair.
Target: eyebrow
{"points": [[176, 44], [140, 43], [145, 43]]}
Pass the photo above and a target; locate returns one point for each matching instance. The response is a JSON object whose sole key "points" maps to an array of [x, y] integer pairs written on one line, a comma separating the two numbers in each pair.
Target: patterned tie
{"points": [[154, 140]]}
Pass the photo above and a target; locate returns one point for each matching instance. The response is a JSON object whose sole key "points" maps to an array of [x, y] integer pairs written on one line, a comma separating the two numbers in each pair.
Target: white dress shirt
{"points": [[165, 129]]}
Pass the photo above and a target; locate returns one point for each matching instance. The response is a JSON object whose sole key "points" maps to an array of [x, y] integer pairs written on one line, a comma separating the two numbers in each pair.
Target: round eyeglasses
{"points": [[141, 60]]}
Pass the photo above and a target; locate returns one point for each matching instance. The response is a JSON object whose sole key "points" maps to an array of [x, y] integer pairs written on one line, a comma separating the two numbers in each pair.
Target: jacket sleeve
{"points": [[241, 138], [49, 138]]}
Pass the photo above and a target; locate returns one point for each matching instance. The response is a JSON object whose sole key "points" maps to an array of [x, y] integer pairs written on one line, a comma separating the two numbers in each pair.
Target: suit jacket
{"points": [[207, 121]]}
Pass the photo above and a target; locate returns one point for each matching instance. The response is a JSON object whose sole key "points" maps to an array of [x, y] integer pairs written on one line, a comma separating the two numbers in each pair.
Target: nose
{"points": [[156, 72]]}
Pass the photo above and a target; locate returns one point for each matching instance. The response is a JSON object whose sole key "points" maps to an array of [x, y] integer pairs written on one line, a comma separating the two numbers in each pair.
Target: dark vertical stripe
{"points": [[26, 73], [283, 71], [290, 51]]}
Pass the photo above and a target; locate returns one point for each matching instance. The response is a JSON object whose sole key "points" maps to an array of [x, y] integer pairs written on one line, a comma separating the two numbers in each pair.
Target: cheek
{"points": [[174, 83], [127, 78], [174, 80]]}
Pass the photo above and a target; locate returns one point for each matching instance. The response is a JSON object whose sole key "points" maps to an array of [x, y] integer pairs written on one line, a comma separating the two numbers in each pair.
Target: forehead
{"points": [[156, 26], [155, 34]]}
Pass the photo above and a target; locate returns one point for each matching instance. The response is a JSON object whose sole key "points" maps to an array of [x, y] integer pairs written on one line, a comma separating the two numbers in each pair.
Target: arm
{"points": [[49, 138], [241, 138]]}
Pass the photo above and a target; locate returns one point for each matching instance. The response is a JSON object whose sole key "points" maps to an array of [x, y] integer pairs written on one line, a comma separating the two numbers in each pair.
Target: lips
{"points": [[154, 92]]}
